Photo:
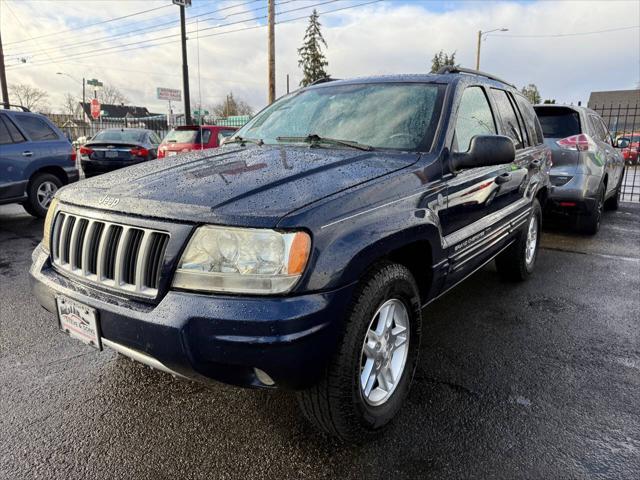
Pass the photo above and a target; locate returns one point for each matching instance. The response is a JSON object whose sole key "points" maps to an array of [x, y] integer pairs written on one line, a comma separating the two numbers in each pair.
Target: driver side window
{"points": [[474, 118]]}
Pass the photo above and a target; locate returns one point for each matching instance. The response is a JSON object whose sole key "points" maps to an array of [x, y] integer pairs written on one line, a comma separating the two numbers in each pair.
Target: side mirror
{"points": [[622, 143], [484, 151]]}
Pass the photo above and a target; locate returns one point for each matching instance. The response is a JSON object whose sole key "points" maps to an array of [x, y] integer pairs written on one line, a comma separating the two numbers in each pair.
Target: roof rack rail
{"points": [[469, 71], [323, 80], [9, 106]]}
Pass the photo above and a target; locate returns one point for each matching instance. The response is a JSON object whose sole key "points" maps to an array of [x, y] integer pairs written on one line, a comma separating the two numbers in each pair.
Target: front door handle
{"points": [[535, 164], [504, 178], [27, 153]]}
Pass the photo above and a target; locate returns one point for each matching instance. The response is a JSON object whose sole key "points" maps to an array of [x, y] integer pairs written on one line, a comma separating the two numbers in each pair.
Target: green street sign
{"points": [[94, 82]]}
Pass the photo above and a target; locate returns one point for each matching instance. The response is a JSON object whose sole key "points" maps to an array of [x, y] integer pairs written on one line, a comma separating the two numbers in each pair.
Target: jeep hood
{"points": [[253, 186]]}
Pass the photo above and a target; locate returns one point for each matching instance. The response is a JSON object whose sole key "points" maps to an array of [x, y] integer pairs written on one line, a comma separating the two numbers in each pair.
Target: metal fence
{"points": [[624, 122], [79, 129]]}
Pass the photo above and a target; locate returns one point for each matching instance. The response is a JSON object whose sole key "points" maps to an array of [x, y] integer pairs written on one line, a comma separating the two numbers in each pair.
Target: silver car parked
{"points": [[587, 170]]}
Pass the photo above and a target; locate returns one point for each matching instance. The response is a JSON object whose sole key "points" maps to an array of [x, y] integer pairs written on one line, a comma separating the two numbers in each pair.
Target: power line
{"points": [[139, 47], [575, 34], [75, 45], [142, 42], [90, 25]]}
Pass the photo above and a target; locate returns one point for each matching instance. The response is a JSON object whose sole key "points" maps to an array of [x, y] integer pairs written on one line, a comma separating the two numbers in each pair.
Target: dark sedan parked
{"points": [[587, 170], [114, 148]]}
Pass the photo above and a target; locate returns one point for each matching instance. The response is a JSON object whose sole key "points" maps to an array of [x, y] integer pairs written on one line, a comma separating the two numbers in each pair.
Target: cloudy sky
{"points": [[567, 49]]}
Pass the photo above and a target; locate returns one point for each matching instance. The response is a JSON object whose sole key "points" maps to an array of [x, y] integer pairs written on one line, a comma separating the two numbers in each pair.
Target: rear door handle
{"points": [[504, 178], [27, 154]]}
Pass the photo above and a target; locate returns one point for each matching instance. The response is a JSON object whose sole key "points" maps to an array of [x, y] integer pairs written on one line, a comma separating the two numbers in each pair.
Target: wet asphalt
{"points": [[535, 380]]}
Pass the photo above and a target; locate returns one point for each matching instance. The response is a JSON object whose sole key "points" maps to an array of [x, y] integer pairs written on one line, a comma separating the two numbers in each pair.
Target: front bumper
{"points": [[217, 337], [578, 195]]}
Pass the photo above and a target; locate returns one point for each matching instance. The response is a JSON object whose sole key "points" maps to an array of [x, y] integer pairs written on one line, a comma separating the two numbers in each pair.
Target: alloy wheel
{"points": [[45, 193], [384, 352], [532, 240]]}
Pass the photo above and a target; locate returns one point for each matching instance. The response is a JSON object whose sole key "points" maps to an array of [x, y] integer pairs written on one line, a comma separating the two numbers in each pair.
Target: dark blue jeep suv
{"points": [[36, 159], [301, 253]]}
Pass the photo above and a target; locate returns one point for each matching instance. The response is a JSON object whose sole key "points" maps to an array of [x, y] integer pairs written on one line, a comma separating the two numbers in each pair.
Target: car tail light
{"points": [[161, 153], [581, 142], [86, 151], [74, 155], [139, 152]]}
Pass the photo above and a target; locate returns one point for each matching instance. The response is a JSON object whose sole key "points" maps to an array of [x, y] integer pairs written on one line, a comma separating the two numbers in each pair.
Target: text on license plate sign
{"points": [[111, 154], [79, 321]]}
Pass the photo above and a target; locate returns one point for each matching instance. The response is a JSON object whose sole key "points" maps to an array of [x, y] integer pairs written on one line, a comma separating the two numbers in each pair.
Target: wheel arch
{"points": [[53, 170], [418, 249]]}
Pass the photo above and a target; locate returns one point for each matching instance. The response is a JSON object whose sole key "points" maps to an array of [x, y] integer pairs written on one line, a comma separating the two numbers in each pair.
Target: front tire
{"points": [[369, 377], [614, 202], [517, 262], [590, 223]]}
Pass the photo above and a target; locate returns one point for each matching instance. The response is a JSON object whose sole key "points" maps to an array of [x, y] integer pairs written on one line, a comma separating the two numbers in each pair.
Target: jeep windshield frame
{"points": [[394, 116]]}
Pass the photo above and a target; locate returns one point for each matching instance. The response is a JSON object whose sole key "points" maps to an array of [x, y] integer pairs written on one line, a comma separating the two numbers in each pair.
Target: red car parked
{"points": [[630, 151], [188, 138]]}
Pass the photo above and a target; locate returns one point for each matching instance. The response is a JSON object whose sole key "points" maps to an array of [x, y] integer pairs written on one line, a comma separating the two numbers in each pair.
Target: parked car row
{"points": [[301, 255], [36, 158]]}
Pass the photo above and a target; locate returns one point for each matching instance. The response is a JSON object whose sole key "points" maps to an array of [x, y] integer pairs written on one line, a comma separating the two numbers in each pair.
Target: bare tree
{"points": [[232, 106], [111, 95], [71, 105], [30, 97]]}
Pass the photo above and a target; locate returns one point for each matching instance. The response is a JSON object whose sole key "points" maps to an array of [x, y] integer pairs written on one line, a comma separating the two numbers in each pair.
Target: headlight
{"points": [[242, 260], [51, 212]]}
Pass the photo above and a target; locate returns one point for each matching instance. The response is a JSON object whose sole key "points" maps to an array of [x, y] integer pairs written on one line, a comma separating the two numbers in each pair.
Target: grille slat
{"points": [[113, 255]]}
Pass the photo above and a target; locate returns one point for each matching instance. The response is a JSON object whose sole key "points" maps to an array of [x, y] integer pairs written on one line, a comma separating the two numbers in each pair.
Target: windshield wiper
{"points": [[314, 139], [243, 141]]}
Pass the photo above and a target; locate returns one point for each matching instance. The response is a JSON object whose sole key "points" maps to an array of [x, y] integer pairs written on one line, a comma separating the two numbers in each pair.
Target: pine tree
{"points": [[442, 59], [532, 93], [312, 60]]}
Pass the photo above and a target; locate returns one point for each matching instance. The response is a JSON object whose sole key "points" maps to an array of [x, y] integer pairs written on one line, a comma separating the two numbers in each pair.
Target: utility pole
{"points": [[478, 50], [272, 52], [480, 34], [287, 83], [3, 79], [185, 66]]}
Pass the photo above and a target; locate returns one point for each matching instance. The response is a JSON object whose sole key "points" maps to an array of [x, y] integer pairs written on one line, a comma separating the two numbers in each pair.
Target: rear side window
{"points": [[474, 118], [558, 122], [14, 134], [530, 120], [509, 117], [599, 130], [36, 128], [607, 133], [5, 138]]}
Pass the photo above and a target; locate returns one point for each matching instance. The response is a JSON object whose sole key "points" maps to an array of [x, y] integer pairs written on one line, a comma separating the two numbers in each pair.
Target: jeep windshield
{"points": [[396, 116]]}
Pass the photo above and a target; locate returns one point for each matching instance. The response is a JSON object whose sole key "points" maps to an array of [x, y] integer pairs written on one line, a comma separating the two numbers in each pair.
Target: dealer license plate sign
{"points": [[111, 154], [79, 321]]}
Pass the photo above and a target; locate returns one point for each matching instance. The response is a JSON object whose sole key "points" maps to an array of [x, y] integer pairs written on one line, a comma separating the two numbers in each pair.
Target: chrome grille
{"points": [[117, 256]]}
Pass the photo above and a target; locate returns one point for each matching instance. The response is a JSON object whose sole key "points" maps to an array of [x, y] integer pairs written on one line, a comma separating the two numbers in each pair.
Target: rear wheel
{"points": [[590, 223], [40, 192], [369, 377], [517, 262]]}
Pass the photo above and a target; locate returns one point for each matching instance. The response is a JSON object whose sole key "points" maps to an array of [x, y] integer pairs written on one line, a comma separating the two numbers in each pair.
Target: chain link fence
{"points": [[623, 122]]}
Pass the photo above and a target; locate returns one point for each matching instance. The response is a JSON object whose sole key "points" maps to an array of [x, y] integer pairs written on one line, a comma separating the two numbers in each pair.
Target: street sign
{"points": [[95, 83], [182, 3], [170, 94], [95, 108]]}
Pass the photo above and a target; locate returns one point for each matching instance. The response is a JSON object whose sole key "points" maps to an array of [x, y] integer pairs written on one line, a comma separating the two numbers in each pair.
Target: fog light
{"points": [[263, 377]]}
